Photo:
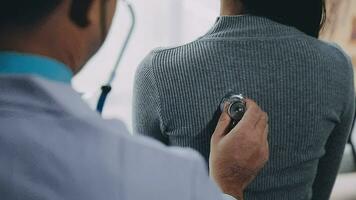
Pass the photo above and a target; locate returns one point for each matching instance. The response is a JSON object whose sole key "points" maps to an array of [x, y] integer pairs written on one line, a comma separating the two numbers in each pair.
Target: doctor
{"points": [[53, 146]]}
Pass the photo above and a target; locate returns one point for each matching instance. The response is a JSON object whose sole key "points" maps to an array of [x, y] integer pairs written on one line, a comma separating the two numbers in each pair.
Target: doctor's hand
{"points": [[238, 155]]}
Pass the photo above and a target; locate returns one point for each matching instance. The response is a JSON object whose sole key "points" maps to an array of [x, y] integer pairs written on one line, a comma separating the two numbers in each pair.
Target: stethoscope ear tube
{"points": [[106, 89]]}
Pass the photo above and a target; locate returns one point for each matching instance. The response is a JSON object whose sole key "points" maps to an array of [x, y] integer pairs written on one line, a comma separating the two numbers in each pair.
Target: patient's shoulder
{"points": [[177, 51], [163, 50], [170, 57], [334, 52]]}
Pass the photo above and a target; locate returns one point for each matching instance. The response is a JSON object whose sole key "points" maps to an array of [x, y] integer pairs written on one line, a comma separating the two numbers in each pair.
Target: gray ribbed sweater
{"points": [[304, 84]]}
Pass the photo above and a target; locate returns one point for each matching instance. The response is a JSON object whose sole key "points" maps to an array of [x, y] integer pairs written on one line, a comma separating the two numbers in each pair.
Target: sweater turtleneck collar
{"points": [[249, 26]]}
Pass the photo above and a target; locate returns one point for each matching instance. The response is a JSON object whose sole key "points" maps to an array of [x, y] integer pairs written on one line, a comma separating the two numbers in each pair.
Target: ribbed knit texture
{"points": [[304, 84]]}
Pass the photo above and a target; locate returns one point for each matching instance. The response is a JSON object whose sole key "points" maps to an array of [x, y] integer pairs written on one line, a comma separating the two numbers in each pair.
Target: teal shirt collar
{"points": [[26, 64]]}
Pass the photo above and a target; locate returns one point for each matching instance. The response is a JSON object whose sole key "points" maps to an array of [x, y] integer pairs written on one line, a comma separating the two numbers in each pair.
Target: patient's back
{"points": [[305, 85]]}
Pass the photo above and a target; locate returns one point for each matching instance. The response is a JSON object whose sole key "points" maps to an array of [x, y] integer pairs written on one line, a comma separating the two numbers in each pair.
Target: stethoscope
{"points": [[106, 89]]}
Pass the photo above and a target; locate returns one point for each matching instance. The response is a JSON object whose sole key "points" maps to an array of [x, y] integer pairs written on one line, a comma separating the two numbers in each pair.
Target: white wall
{"points": [[159, 23]]}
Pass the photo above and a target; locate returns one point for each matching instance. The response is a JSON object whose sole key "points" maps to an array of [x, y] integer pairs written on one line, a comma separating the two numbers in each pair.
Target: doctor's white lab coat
{"points": [[54, 147]]}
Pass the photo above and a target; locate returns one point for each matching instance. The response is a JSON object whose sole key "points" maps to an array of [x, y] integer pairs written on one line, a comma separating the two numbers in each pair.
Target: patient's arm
{"points": [[329, 164], [146, 106]]}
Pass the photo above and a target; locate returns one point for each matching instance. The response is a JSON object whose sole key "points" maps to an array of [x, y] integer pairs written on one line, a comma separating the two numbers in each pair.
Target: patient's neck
{"points": [[231, 7]]}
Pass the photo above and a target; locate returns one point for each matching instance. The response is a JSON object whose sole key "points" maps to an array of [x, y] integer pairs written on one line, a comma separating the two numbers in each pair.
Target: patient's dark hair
{"points": [[28, 13], [306, 15]]}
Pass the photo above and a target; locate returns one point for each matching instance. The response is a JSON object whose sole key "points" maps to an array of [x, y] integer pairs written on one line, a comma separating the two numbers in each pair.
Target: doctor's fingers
{"points": [[223, 125], [250, 119]]}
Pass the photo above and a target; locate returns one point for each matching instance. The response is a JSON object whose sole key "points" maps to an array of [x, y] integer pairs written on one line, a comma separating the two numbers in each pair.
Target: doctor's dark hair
{"points": [[306, 15], [29, 13]]}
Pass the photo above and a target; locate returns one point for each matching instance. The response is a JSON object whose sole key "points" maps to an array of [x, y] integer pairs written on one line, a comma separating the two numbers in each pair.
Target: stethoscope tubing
{"points": [[106, 89]]}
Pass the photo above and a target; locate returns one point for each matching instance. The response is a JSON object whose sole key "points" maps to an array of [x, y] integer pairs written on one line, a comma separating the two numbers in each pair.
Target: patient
{"points": [[271, 49]]}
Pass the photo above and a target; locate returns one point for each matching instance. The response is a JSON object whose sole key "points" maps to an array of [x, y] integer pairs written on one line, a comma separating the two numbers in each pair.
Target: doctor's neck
{"points": [[47, 39], [54, 36], [41, 42], [231, 7]]}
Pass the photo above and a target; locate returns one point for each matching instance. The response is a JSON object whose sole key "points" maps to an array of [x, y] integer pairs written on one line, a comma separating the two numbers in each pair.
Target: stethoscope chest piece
{"points": [[237, 106]]}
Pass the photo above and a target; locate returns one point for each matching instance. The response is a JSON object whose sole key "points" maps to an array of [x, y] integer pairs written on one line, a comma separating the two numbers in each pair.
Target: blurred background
{"points": [[163, 23]]}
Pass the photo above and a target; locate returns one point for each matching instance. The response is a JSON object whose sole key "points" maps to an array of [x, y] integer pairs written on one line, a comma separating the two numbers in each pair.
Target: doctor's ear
{"points": [[79, 12]]}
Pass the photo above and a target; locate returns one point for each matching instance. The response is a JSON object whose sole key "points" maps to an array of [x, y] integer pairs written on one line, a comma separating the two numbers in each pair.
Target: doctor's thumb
{"points": [[223, 126]]}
